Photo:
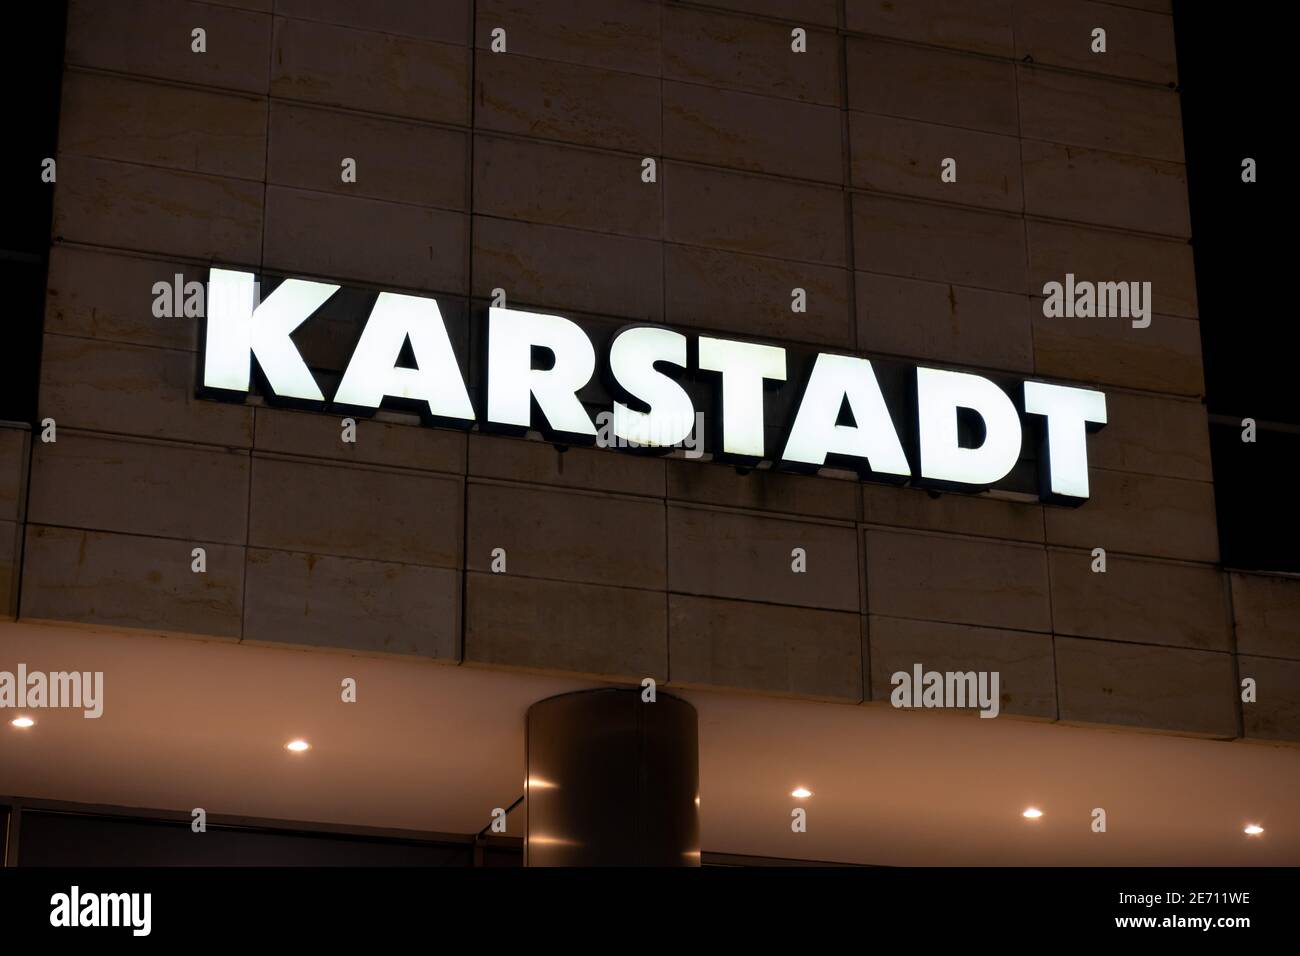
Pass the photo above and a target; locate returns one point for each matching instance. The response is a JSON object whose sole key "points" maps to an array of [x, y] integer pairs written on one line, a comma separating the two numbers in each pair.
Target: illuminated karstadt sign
{"points": [[840, 419]]}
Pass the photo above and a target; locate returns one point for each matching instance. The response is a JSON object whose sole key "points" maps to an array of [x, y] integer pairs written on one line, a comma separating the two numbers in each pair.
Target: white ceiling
{"points": [[192, 723]]}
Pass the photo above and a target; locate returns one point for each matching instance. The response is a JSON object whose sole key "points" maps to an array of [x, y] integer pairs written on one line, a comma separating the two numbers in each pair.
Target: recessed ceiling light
{"points": [[1254, 828], [297, 746], [1033, 813], [801, 792], [22, 722]]}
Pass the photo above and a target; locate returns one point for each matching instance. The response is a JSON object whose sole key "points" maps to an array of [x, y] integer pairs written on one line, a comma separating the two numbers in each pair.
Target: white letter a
{"points": [[373, 371]]}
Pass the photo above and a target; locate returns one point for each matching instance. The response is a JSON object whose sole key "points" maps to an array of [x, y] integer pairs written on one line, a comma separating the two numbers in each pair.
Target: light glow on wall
{"points": [[651, 408]]}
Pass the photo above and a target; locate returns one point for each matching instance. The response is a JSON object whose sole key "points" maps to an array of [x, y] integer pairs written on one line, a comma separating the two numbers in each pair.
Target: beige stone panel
{"points": [[822, 12], [140, 486], [1140, 514], [609, 34], [940, 243], [395, 160], [381, 514], [1100, 113], [1140, 601], [906, 157], [372, 72], [445, 20], [717, 49], [14, 451], [1266, 611], [597, 469], [735, 555], [752, 295], [746, 131], [895, 79], [800, 652], [109, 296], [986, 27], [1141, 685], [1163, 357], [1106, 189], [1023, 661], [563, 186], [151, 209], [315, 435], [555, 269], [345, 237], [153, 38], [752, 214], [1139, 45], [574, 537], [1275, 714], [763, 490], [959, 580], [981, 515], [368, 606], [567, 102], [135, 390], [1154, 435], [120, 580], [1100, 255], [1155, 6], [943, 322], [606, 632], [198, 131]]}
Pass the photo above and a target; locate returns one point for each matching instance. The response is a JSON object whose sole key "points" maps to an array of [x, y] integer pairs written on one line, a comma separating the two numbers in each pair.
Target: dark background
{"points": [[31, 72], [1227, 87]]}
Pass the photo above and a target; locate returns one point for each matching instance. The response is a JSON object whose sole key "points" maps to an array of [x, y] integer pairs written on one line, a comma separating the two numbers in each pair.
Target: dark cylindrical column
{"points": [[612, 781]]}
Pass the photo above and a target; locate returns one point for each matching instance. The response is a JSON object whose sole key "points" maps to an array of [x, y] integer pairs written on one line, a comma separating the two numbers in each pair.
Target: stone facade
{"points": [[521, 170]]}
